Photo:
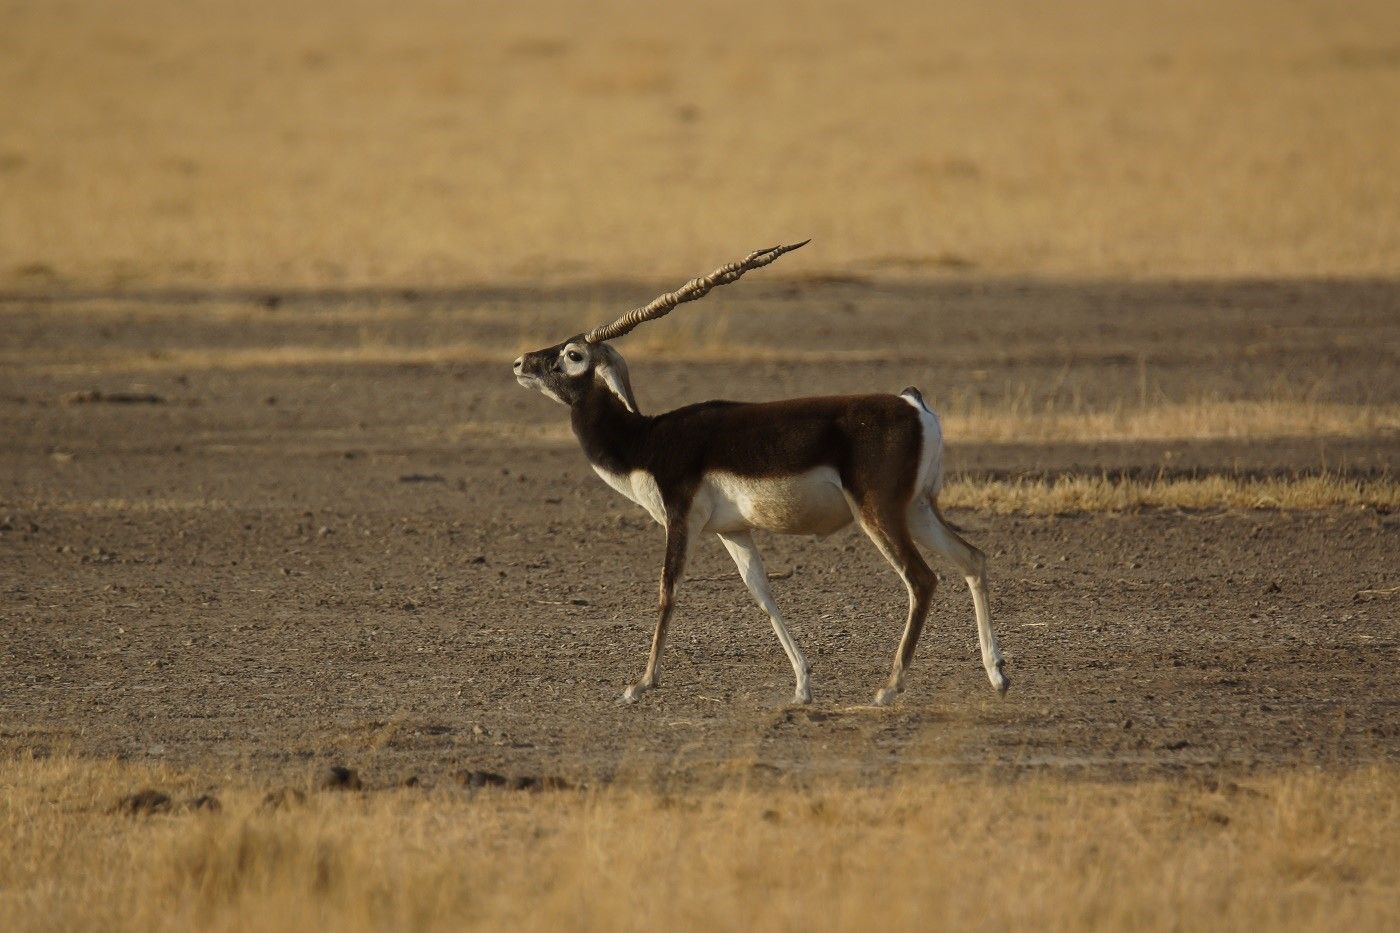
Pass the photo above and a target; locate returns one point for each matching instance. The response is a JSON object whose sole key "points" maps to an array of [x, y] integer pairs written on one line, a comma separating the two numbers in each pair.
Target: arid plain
{"points": [[271, 500], [247, 539]]}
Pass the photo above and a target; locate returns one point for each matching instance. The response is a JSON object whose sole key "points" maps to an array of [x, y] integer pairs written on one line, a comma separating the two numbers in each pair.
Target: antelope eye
{"points": [[576, 356]]}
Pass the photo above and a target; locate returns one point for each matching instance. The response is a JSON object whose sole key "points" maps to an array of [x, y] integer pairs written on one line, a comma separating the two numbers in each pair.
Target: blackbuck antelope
{"points": [[802, 466]]}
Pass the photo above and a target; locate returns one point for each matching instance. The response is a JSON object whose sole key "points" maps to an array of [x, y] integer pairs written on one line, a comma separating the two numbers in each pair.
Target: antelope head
{"points": [[566, 371]]}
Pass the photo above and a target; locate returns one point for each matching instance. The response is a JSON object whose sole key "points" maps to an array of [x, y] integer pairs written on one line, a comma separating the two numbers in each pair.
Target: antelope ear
{"points": [[613, 370]]}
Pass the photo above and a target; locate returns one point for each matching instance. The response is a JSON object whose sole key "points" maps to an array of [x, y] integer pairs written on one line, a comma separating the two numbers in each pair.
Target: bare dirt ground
{"points": [[234, 537]]}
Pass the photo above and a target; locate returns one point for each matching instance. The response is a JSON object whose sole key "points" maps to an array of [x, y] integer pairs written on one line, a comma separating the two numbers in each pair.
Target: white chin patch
{"points": [[530, 382], [552, 394]]}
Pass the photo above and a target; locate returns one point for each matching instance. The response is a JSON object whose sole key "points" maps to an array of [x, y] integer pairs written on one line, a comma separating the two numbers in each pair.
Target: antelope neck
{"points": [[612, 436]]}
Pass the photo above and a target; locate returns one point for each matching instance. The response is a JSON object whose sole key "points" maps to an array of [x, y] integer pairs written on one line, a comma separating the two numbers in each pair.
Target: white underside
{"points": [[810, 503]]}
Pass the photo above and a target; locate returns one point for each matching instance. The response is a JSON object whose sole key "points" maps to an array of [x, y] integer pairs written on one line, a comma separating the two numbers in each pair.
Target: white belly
{"points": [[810, 503]]}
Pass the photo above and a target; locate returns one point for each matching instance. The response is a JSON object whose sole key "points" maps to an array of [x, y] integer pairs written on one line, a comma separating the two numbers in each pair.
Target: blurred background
{"points": [[342, 143]]}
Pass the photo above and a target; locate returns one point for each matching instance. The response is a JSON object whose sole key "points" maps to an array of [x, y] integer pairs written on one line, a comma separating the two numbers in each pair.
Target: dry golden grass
{"points": [[336, 142], [1055, 496], [1200, 420], [1297, 851], [1103, 494]]}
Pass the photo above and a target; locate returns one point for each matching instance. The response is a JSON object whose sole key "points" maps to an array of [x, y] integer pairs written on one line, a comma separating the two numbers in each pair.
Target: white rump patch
{"points": [[930, 476]]}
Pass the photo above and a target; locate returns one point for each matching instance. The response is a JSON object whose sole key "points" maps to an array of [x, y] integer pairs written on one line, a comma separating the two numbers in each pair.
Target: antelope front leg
{"points": [[750, 564], [677, 545]]}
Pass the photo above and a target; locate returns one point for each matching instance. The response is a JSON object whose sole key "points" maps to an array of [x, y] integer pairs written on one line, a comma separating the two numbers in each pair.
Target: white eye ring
{"points": [[576, 356]]}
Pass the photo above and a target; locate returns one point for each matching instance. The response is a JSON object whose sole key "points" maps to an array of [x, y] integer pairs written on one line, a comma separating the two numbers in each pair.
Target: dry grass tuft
{"points": [[1065, 494], [1205, 419], [1293, 851]]}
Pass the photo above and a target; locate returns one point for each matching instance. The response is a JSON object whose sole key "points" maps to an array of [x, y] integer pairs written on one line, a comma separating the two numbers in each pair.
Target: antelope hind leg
{"points": [[888, 528], [932, 532]]}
